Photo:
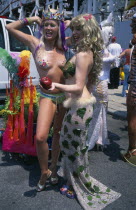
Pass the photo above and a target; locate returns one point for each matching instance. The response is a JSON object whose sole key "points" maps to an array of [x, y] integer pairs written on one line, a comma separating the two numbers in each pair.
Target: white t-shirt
{"points": [[115, 49]]}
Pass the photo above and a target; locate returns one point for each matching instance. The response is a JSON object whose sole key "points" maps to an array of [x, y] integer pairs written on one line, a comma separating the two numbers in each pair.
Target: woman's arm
{"points": [[84, 62], [122, 54], [14, 27], [109, 59]]}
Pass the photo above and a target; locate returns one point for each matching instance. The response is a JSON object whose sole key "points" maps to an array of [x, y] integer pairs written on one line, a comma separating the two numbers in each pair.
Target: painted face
{"points": [[77, 33], [107, 33], [50, 29]]}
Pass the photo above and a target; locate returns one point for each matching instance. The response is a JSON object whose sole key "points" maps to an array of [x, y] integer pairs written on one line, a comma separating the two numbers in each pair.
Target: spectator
{"points": [[115, 49], [126, 67]]}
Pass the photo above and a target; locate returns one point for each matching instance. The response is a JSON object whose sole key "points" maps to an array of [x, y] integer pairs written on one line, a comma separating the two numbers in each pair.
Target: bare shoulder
{"points": [[85, 56]]}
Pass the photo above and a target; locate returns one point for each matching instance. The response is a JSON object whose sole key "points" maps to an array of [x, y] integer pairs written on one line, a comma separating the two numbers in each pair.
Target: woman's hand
{"points": [[38, 21], [52, 86]]}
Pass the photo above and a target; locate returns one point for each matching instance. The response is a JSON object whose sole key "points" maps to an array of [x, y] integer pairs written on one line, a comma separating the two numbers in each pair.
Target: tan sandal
{"points": [[130, 157], [41, 187]]}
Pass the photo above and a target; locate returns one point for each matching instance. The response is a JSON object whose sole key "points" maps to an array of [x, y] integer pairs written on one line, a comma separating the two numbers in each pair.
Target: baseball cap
{"points": [[113, 38]]}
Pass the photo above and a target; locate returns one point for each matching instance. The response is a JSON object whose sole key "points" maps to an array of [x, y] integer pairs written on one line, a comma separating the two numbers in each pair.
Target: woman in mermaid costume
{"points": [[80, 71], [49, 54]]}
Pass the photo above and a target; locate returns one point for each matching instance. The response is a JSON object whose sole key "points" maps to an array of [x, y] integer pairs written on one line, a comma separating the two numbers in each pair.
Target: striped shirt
{"points": [[132, 76]]}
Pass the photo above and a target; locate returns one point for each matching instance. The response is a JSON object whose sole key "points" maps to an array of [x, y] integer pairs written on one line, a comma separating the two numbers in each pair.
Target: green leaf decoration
{"points": [[97, 196], [81, 112], [68, 70], [84, 150], [65, 129], [75, 144], [75, 174], [65, 144], [88, 185], [89, 198], [96, 189], [77, 132], [76, 154], [88, 121], [104, 201], [108, 190], [81, 169], [76, 122], [86, 175], [69, 136], [90, 204], [69, 118], [72, 158]]}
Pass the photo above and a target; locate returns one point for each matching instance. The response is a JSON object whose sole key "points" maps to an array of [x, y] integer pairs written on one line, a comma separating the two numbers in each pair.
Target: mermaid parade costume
{"points": [[74, 163]]}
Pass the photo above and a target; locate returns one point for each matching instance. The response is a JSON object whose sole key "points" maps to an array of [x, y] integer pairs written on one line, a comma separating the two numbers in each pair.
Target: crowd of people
{"points": [[80, 69]]}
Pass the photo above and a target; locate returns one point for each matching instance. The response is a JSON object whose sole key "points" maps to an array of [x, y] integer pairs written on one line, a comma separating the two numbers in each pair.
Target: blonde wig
{"points": [[92, 40]]}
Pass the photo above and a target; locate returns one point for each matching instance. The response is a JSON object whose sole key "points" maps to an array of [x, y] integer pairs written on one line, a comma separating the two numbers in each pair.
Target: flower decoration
{"points": [[24, 67], [26, 53], [88, 17], [18, 66]]}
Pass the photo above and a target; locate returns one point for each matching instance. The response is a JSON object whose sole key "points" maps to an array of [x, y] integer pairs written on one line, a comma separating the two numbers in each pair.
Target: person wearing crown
{"points": [[81, 72], [49, 55]]}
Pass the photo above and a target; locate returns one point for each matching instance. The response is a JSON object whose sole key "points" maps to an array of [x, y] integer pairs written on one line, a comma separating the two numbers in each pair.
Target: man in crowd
{"points": [[115, 49]]}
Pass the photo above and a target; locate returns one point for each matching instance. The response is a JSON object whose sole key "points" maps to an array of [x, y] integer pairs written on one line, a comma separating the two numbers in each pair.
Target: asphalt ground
{"points": [[18, 179]]}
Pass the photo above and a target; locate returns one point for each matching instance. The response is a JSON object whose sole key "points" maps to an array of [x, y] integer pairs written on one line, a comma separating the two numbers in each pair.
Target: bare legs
{"points": [[46, 114], [56, 135]]}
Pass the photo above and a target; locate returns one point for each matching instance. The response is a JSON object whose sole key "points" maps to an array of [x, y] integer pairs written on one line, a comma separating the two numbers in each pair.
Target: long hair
{"points": [[92, 40]]}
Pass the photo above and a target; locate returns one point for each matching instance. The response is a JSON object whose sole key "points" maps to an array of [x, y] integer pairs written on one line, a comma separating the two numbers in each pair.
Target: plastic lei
{"points": [[21, 105]]}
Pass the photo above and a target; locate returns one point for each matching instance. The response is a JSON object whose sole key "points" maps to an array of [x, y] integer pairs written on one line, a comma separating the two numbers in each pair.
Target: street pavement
{"points": [[18, 179], [117, 103]]}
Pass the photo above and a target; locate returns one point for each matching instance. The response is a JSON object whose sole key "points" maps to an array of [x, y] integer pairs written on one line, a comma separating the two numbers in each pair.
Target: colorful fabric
{"points": [[57, 98], [74, 164], [18, 69], [19, 132]]}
